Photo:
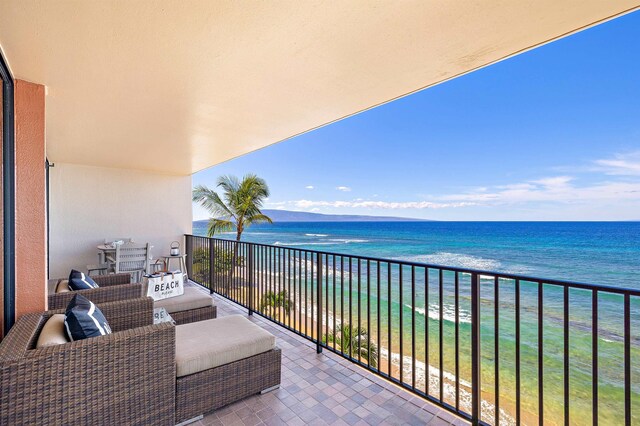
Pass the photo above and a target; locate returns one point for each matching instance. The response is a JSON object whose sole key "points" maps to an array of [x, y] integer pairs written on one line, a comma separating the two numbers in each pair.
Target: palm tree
{"points": [[351, 340], [241, 205], [274, 301]]}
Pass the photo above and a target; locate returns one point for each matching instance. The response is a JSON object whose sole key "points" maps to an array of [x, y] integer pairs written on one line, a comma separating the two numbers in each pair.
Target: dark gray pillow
{"points": [[84, 319], [80, 281]]}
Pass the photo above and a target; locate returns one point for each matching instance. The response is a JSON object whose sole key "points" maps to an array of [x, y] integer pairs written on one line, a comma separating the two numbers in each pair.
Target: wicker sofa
{"points": [[112, 288], [128, 377], [183, 309], [193, 306]]}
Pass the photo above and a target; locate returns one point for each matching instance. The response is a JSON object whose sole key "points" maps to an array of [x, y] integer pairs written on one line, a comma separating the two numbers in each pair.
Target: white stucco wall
{"points": [[89, 204]]}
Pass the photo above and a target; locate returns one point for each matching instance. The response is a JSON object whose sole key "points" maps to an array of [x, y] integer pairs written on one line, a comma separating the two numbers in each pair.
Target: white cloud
{"points": [[556, 182], [308, 187], [560, 189], [611, 189], [553, 189], [621, 164]]}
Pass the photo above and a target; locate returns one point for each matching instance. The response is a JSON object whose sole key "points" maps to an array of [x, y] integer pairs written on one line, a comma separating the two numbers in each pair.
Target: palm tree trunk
{"points": [[234, 260]]}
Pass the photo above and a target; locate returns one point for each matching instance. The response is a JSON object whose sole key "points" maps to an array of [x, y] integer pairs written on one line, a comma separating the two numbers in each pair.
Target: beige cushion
{"points": [[53, 332], [207, 344], [192, 298], [63, 287]]}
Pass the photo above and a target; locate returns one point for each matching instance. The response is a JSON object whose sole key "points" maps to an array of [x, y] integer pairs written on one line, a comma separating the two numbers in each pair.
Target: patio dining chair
{"points": [[132, 258]]}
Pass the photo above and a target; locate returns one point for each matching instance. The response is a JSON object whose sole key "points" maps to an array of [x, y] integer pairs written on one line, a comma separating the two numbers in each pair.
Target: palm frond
{"points": [[211, 201], [239, 205], [219, 225], [230, 187], [257, 218]]}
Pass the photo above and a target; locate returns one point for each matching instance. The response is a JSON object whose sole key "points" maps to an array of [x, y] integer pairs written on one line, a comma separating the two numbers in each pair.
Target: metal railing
{"points": [[493, 348]]}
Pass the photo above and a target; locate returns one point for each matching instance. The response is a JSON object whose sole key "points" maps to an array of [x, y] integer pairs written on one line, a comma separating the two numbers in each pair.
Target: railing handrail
{"points": [[479, 272]]}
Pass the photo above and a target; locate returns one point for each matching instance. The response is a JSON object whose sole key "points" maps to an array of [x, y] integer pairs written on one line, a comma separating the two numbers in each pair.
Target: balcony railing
{"points": [[493, 348]]}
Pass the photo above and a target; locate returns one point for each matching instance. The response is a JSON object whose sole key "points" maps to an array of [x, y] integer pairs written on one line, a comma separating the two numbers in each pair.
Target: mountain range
{"points": [[295, 216]]}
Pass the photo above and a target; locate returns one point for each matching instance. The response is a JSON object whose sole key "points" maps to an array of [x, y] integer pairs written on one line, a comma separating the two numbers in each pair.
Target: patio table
{"points": [[106, 253], [182, 264]]}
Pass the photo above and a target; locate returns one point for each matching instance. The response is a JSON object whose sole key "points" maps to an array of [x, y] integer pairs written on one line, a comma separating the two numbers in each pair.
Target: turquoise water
{"points": [[597, 253]]}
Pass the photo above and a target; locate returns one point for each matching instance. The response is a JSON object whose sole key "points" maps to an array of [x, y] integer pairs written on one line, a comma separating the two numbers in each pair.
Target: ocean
{"points": [[605, 253]]}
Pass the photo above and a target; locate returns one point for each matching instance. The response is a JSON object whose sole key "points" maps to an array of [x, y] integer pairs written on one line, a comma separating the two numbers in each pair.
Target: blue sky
{"points": [[552, 134]]}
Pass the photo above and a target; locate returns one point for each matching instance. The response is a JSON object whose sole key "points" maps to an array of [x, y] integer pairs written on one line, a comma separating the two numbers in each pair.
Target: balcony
{"points": [[495, 349], [125, 101]]}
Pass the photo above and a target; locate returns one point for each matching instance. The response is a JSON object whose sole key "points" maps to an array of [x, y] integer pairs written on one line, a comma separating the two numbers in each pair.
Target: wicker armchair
{"points": [[128, 377], [112, 288], [122, 378]]}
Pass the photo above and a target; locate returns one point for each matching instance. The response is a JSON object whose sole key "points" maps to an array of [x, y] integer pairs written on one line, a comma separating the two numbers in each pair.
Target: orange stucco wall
{"points": [[31, 228]]}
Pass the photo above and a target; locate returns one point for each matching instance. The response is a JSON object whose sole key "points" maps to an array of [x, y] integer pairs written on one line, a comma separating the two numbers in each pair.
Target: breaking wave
{"points": [[448, 313], [466, 261]]}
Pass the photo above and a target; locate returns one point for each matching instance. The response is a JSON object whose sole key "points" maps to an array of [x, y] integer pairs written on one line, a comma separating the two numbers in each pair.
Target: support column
{"points": [[30, 199]]}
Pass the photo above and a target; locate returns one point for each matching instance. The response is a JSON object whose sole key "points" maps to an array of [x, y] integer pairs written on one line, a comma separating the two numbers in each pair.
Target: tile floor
{"points": [[324, 389]]}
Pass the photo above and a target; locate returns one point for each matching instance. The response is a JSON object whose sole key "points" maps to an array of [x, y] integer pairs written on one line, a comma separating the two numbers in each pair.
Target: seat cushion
{"points": [[208, 344], [52, 332], [63, 286], [57, 285], [192, 298]]}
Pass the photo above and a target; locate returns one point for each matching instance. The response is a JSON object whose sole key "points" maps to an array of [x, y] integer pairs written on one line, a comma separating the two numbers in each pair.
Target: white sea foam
{"points": [[316, 235], [329, 242], [460, 260], [293, 244], [448, 313]]}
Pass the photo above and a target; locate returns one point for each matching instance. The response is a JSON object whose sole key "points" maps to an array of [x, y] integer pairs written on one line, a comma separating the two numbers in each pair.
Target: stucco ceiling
{"points": [[179, 86]]}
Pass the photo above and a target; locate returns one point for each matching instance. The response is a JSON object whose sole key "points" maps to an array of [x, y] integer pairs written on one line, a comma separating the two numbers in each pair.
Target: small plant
{"points": [[223, 262], [272, 303], [353, 340]]}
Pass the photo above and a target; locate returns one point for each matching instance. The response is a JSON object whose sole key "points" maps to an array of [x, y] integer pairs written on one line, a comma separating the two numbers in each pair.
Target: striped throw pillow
{"points": [[80, 281], [83, 319]]}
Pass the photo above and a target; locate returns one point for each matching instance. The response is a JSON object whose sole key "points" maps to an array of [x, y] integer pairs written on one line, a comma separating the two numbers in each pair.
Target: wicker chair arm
{"points": [[121, 315], [128, 314], [19, 339], [104, 343], [128, 377], [112, 279], [97, 295]]}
